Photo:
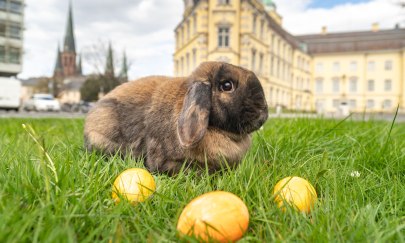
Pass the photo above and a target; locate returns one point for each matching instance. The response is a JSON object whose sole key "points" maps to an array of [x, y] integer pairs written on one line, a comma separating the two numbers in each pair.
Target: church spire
{"points": [[124, 69], [109, 67], [79, 66], [69, 44], [58, 71]]}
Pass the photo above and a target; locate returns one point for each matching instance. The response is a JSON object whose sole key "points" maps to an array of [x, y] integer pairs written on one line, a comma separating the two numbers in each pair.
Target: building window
{"points": [[2, 54], [277, 96], [15, 31], [14, 55], [353, 85], [194, 58], [278, 69], [195, 24], [261, 63], [223, 37], [177, 40], [336, 103], [371, 66], [188, 30], [281, 73], [335, 85], [262, 29], [182, 36], [387, 104], [370, 85], [319, 85], [3, 4], [15, 7], [336, 67], [253, 60], [2, 29], [353, 66], [370, 104], [352, 104], [387, 85], [279, 47], [271, 95], [224, 1], [272, 66], [188, 62], [319, 67], [254, 23], [388, 65], [182, 66]]}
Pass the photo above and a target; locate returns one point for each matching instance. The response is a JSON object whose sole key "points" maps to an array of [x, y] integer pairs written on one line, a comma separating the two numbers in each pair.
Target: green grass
{"points": [[75, 205]]}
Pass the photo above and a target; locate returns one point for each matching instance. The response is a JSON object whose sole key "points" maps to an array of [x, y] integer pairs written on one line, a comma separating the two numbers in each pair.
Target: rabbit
{"points": [[204, 119]]}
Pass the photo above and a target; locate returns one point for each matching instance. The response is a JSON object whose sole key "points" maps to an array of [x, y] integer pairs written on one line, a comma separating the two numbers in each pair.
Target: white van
{"points": [[10, 93]]}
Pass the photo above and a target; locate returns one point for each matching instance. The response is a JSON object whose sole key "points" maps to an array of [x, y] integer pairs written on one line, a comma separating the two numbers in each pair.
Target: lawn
{"points": [[71, 202]]}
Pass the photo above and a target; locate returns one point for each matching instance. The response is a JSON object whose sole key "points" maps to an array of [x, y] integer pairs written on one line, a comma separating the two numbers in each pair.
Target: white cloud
{"points": [[299, 18], [144, 28]]}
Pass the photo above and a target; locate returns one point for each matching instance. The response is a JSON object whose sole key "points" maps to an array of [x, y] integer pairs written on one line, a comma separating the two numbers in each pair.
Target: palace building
{"points": [[327, 72]]}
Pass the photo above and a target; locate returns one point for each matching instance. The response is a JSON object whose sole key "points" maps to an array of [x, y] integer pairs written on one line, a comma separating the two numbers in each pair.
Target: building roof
{"points": [[355, 41], [69, 44], [74, 83]]}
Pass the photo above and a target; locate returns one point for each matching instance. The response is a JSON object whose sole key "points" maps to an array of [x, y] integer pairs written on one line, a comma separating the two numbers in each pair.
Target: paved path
{"points": [[33, 114], [357, 117]]}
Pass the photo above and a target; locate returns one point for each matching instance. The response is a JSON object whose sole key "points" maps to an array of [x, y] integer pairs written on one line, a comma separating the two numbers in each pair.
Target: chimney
{"points": [[375, 27], [324, 30]]}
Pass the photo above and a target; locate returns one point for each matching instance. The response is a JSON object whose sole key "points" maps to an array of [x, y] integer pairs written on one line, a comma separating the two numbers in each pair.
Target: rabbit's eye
{"points": [[226, 86]]}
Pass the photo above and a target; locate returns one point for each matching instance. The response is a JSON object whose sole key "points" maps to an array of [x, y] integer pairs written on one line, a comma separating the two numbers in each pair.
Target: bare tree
{"points": [[95, 55]]}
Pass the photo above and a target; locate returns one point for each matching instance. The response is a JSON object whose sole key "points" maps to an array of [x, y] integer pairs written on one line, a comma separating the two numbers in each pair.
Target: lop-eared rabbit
{"points": [[205, 119]]}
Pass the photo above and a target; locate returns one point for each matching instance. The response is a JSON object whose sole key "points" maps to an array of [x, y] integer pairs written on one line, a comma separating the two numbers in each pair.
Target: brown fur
{"points": [[172, 120]]}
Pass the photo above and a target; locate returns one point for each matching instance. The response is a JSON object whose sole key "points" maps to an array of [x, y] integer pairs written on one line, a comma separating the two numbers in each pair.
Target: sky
{"points": [[145, 29]]}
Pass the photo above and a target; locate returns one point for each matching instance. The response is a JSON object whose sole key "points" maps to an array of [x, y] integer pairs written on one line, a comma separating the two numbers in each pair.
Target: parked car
{"points": [[10, 93], [42, 102], [82, 106]]}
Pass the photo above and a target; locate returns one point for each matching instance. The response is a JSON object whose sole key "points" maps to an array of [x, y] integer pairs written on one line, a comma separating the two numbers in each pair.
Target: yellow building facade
{"points": [[358, 71], [293, 72]]}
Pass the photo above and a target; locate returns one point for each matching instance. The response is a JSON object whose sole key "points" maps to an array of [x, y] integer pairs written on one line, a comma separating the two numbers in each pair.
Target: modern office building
{"points": [[11, 36]]}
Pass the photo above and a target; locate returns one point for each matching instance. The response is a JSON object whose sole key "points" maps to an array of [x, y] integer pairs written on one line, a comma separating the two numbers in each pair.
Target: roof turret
{"points": [[269, 4]]}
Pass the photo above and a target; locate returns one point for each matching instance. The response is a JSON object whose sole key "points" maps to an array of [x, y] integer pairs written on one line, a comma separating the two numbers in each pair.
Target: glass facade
{"points": [[11, 35], [2, 54], [12, 6]]}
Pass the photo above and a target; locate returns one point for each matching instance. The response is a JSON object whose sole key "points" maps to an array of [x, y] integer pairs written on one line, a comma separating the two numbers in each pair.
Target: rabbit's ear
{"points": [[193, 120]]}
